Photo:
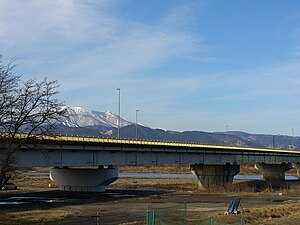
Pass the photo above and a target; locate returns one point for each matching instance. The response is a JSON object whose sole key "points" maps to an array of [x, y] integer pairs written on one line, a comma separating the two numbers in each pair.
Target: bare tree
{"points": [[28, 107]]}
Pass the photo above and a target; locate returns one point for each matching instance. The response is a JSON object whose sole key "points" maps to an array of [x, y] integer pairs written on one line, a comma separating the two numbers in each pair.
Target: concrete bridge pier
{"points": [[273, 172], [83, 179], [297, 167], [214, 175]]}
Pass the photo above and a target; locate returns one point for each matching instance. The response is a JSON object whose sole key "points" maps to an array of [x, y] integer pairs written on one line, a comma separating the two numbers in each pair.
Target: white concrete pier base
{"points": [[215, 175], [273, 172], [83, 180]]}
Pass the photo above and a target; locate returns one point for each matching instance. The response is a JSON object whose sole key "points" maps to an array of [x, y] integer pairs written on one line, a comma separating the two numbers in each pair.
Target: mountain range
{"points": [[80, 121]]}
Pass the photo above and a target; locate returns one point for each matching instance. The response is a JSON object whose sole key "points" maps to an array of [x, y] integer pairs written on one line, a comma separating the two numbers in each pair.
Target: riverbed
{"points": [[126, 200]]}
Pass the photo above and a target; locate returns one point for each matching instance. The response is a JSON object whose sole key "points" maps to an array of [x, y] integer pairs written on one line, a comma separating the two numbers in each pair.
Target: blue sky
{"points": [[186, 65]]}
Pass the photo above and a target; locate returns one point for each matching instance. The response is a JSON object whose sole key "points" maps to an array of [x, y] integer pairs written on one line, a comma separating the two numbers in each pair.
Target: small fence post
{"points": [[153, 217], [184, 214], [148, 215], [212, 220], [97, 218]]}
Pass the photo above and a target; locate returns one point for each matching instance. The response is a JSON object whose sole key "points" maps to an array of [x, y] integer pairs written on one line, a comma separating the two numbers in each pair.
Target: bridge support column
{"points": [[297, 167], [83, 180], [273, 172], [210, 176]]}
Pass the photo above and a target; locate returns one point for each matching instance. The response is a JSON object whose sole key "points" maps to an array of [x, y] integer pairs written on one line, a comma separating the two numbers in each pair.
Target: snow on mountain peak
{"points": [[80, 117], [79, 110], [109, 114]]}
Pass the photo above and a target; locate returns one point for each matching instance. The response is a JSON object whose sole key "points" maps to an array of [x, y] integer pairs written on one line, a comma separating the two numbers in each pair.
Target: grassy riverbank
{"points": [[245, 169], [126, 201]]}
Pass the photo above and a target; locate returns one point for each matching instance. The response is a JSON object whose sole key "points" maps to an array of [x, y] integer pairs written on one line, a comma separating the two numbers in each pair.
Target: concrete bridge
{"points": [[214, 165]]}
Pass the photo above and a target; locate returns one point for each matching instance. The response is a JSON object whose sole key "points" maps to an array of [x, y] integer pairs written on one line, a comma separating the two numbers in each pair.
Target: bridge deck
{"points": [[61, 150], [155, 143]]}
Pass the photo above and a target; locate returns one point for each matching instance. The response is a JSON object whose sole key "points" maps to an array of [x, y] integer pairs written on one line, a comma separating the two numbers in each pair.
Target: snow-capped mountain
{"points": [[80, 117], [80, 121]]}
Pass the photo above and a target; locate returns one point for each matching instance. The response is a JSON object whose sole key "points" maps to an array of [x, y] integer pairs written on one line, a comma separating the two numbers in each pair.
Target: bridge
{"points": [[213, 165]]}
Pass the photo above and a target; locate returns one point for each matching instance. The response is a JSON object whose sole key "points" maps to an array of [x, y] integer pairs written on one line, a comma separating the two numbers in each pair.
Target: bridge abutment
{"points": [[83, 179], [214, 175], [273, 172]]}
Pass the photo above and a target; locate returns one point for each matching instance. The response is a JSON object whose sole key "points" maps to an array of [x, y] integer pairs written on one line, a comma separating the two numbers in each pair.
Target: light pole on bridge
{"points": [[119, 111], [136, 123], [274, 144], [226, 138], [293, 139]]}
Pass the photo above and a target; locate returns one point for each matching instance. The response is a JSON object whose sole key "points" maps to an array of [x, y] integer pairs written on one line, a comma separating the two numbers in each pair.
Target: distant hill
{"points": [[80, 121]]}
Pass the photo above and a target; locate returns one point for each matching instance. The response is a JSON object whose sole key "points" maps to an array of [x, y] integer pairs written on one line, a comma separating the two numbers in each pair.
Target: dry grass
{"points": [[34, 169], [290, 190], [155, 183], [133, 223], [33, 182], [286, 213], [35, 217], [246, 168], [155, 169]]}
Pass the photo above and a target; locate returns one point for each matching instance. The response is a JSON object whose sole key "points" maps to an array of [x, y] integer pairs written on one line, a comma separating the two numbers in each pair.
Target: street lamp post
{"points": [[119, 112], [136, 123], [276, 141], [293, 141], [226, 138]]}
